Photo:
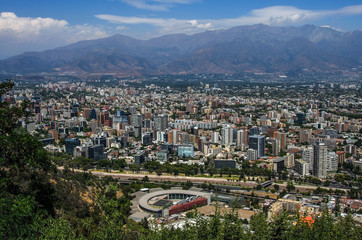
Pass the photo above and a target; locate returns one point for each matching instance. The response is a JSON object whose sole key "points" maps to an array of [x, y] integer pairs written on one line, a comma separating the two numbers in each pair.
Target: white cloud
{"points": [[121, 28], [275, 15], [19, 34], [156, 5], [164, 25]]}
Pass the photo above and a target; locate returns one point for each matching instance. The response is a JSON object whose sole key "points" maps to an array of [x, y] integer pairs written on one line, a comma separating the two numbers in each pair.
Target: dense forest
{"points": [[38, 201]]}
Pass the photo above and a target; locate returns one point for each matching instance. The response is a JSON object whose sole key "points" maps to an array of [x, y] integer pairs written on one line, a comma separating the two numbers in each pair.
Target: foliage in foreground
{"points": [[39, 202]]}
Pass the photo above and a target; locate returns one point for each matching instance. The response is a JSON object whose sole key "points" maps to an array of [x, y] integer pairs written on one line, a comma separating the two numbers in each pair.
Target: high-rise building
{"points": [[254, 131], [100, 140], [200, 143], [161, 136], [320, 160], [242, 137], [96, 152], [278, 165], [147, 139], [170, 137], [161, 122], [175, 133], [301, 118], [332, 161], [105, 119], [289, 160], [215, 137], [70, 144], [137, 120], [308, 156], [301, 167], [283, 140], [252, 155], [276, 147], [227, 135], [341, 157], [93, 114], [257, 143]]}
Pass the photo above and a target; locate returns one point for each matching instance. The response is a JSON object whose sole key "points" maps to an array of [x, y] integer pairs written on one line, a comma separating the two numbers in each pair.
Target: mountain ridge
{"points": [[237, 49]]}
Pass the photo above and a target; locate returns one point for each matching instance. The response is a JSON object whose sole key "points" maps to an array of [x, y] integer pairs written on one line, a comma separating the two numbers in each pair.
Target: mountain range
{"points": [[255, 48]]}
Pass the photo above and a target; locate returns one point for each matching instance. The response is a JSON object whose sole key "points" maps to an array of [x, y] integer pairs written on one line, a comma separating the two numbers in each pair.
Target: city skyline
{"points": [[26, 26]]}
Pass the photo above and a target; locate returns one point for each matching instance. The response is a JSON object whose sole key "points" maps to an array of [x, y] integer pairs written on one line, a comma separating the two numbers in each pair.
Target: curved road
{"points": [[199, 180]]}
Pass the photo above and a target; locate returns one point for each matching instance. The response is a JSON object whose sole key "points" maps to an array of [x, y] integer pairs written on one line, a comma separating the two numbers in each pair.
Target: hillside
{"points": [[256, 48]]}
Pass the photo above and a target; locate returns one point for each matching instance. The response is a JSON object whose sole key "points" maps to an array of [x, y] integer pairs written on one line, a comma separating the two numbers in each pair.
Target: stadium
{"points": [[162, 203]]}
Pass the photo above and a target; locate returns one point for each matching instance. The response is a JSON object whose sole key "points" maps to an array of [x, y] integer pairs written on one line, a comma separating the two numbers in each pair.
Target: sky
{"points": [[37, 25]]}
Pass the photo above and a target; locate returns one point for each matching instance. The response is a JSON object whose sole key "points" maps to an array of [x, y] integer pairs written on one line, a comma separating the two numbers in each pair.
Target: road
{"points": [[163, 178], [199, 180]]}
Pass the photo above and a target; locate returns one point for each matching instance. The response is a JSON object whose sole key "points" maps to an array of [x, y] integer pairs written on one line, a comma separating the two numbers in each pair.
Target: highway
{"points": [[195, 180]]}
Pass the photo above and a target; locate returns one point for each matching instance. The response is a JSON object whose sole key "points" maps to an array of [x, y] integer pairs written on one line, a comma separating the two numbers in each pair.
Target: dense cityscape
{"points": [[253, 147], [181, 119]]}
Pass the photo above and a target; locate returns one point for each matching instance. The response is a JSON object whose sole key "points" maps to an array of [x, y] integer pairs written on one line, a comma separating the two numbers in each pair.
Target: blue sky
{"points": [[35, 25]]}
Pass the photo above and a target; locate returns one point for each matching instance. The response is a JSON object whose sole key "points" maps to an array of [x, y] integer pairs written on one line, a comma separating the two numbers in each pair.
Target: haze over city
{"points": [[181, 119], [40, 25]]}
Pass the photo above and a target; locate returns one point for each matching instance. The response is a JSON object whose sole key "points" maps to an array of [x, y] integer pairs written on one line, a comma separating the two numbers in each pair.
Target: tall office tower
{"points": [[70, 144], [96, 152], [257, 143], [215, 137], [242, 137], [93, 114], [301, 118], [320, 160], [147, 139], [227, 135], [276, 147], [254, 131], [137, 120], [105, 118], [283, 140], [161, 122], [100, 140]]}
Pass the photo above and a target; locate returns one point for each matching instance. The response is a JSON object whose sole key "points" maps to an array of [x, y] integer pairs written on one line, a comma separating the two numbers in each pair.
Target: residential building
{"points": [[320, 160]]}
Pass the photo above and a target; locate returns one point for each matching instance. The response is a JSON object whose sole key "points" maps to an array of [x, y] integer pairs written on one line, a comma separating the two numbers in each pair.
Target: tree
{"points": [[326, 183], [145, 179], [26, 194], [212, 171], [259, 225], [279, 226], [135, 168], [290, 187], [159, 172]]}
